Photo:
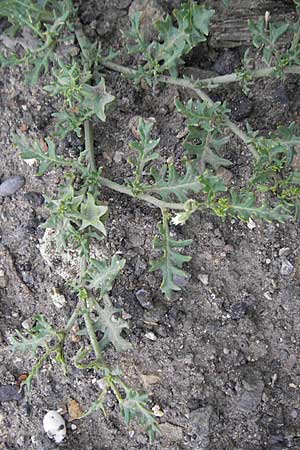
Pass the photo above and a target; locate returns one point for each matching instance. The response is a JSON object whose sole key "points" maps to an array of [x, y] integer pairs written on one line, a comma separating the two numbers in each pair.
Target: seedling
{"points": [[78, 215]]}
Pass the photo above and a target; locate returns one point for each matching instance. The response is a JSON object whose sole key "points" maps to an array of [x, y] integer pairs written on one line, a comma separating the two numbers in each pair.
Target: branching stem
{"points": [[193, 85]]}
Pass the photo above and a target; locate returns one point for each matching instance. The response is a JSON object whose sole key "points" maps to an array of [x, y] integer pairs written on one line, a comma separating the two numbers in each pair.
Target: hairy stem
{"points": [[145, 197], [89, 144], [185, 83], [94, 341]]}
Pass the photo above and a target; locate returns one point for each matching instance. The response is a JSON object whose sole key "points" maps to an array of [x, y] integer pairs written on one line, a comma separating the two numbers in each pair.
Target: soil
{"points": [[226, 349]]}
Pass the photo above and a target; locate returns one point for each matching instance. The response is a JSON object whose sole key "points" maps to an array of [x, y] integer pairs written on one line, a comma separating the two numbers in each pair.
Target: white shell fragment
{"points": [[54, 426]]}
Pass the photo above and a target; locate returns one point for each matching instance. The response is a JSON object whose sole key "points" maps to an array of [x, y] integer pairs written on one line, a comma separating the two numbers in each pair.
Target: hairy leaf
{"points": [[111, 326], [96, 99], [243, 206], [101, 275], [45, 152], [144, 149], [168, 182], [39, 336], [91, 214], [135, 405], [171, 262], [206, 132]]}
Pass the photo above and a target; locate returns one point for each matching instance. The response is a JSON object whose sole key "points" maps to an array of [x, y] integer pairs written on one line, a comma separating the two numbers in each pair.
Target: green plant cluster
{"points": [[78, 212]]}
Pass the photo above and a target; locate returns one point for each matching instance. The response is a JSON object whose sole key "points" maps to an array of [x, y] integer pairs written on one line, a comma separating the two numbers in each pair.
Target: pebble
{"points": [[284, 251], [171, 432], [28, 323], [286, 268], [251, 224], [34, 198], [151, 336], [144, 298], [9, 392], [241, 108], [11, 185], [203, 277], [180, 281], [3, 280]]}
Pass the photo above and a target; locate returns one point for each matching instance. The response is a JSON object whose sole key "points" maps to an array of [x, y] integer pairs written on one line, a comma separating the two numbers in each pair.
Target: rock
{"points": [[144, 298], [11, 185], [149, 380], [251, 393], [284, 251], [238, 310], [54, 426], [28, 323], [34, 198], [225, 174], [9, 392], [74, 409], [203, 277], [286, 268], [171, 432], [241, 108], [200, 419], [227, 62], [151, 12], [151, 336], [3, 279], [181, 281]]}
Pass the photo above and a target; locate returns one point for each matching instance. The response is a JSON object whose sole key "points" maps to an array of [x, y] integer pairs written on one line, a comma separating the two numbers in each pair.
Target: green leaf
{"points": [[171, 262], [39, 336], [111, 327], [101, 275], [96, 99], [91, 214], [206, 125], [35, 150], [144, 150], [135, 405], [168, 182], [243, 206]]}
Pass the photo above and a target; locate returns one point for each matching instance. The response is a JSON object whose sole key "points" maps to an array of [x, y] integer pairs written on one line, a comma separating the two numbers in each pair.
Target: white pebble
{"points": [[54, 426]]}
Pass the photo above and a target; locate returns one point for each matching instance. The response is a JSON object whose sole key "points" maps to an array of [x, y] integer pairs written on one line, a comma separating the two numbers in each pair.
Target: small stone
{"points": [[157, 412], [144, 298], [73, 427], [180, 281], [74, 410], [268, 261], [251, 224], [203, 277], [286, 268], [241, 108], [226, 351], [151, 336], [11, 185], [171, 432], [284, 251], [225, 174], [3, 279], [58, 298], [118, 157], [34, 198], [9, 392], [28, 323], [294, 414], [149, 380]]}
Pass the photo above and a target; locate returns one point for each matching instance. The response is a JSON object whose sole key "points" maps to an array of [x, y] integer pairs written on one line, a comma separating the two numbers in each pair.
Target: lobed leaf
{"points": [[171, 262]]}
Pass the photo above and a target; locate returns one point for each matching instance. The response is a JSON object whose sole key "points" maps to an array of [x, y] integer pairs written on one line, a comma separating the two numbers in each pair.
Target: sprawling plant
{"points": [[77, 214]]}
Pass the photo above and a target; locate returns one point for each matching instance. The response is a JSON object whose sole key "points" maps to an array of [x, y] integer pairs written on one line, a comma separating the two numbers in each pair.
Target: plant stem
{"points": [[89, 144], [145, 197], [185, 83], [94, 341]]}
